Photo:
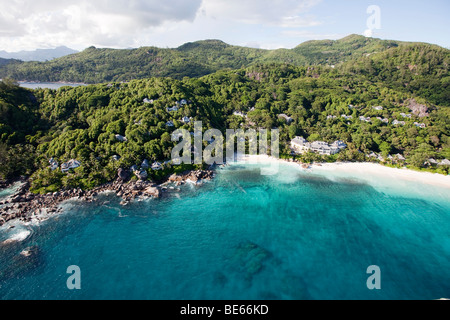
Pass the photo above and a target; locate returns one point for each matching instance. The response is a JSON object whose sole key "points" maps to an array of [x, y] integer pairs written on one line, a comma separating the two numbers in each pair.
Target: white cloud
{"points": [[284, 13], [368, 33], [304, 34], [28, 24], [6, 20], [299, 21]]}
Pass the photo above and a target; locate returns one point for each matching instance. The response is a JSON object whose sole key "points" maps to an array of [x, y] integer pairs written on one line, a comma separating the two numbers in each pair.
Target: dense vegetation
{"points": [[82, 123], [6, 61], [95, 65], [196, 59]]}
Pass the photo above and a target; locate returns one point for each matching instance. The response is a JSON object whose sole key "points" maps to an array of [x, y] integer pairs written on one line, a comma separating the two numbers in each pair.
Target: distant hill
{"points": [[329, 52], [314, 84], [38, 55], [419, 68], [200, 58], [4, 61], [333, 52], [97, 65]]}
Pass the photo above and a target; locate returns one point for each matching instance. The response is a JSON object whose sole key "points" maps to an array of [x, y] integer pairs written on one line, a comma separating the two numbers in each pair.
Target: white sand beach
{"points": [[381, 171], [362, 169]]}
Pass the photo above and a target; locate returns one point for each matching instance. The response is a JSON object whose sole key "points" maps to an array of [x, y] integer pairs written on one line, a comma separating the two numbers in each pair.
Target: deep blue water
{"points": [[243, 236]]}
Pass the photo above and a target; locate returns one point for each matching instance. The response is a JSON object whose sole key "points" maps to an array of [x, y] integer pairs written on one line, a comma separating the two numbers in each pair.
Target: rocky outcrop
{"points": [[133, 190], [142, 175], [195, 177], [26, 206], [123, 174], [5, 184], [418, 109]]}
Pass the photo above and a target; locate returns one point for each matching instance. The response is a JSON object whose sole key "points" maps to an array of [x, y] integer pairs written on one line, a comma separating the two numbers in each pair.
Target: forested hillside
{"points": [[383, 115], [95, 65], [4, 61], [197, 59], [420, 69]]}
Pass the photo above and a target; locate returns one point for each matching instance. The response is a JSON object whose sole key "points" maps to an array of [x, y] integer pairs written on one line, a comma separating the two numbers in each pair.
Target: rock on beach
{"points": [[25, 206]]}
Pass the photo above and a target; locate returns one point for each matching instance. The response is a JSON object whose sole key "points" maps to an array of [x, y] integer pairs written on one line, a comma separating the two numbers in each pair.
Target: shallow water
{"points": [[48, 85], [294, 235], [5, 193]]}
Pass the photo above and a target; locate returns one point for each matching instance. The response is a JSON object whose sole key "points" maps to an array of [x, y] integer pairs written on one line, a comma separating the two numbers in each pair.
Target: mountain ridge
{"points": [[193, 59], [38, 54], [381, 96]]}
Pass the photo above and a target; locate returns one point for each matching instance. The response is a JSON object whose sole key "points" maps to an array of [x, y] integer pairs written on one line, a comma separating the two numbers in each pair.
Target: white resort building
{"points": [[240, 114], [300, 145], [404, 115], [186, 120], [401, 123], [420, 125], [384, 120], [157, 166], [72, 164], [286, 118], [121, 138], [53, 164], [173, 109]]}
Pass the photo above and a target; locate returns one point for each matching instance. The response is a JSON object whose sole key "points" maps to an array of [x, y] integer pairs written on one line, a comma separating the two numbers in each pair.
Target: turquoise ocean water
{"points": [[294, 235]]}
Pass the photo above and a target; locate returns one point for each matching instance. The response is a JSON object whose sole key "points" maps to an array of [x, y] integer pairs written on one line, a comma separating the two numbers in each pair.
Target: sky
{"points": [[268, 24]]}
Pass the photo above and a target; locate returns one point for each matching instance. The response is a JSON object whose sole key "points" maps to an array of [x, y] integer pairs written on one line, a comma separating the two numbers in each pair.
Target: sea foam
{"points": [[18, 237]]}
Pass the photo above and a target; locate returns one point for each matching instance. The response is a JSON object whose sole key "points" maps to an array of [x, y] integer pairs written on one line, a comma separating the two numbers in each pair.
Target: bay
{"points": [[296, 235], [48, 85]]}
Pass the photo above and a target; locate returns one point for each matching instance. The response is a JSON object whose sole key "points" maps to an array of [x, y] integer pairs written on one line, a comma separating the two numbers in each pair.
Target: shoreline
{"points": [[51, 82], [359, 169], [5, 184], [28, 207], [374, 169]]}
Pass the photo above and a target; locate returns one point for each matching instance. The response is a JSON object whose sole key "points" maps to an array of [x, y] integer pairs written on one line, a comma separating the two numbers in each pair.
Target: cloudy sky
{"points": [[31, 24]]}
